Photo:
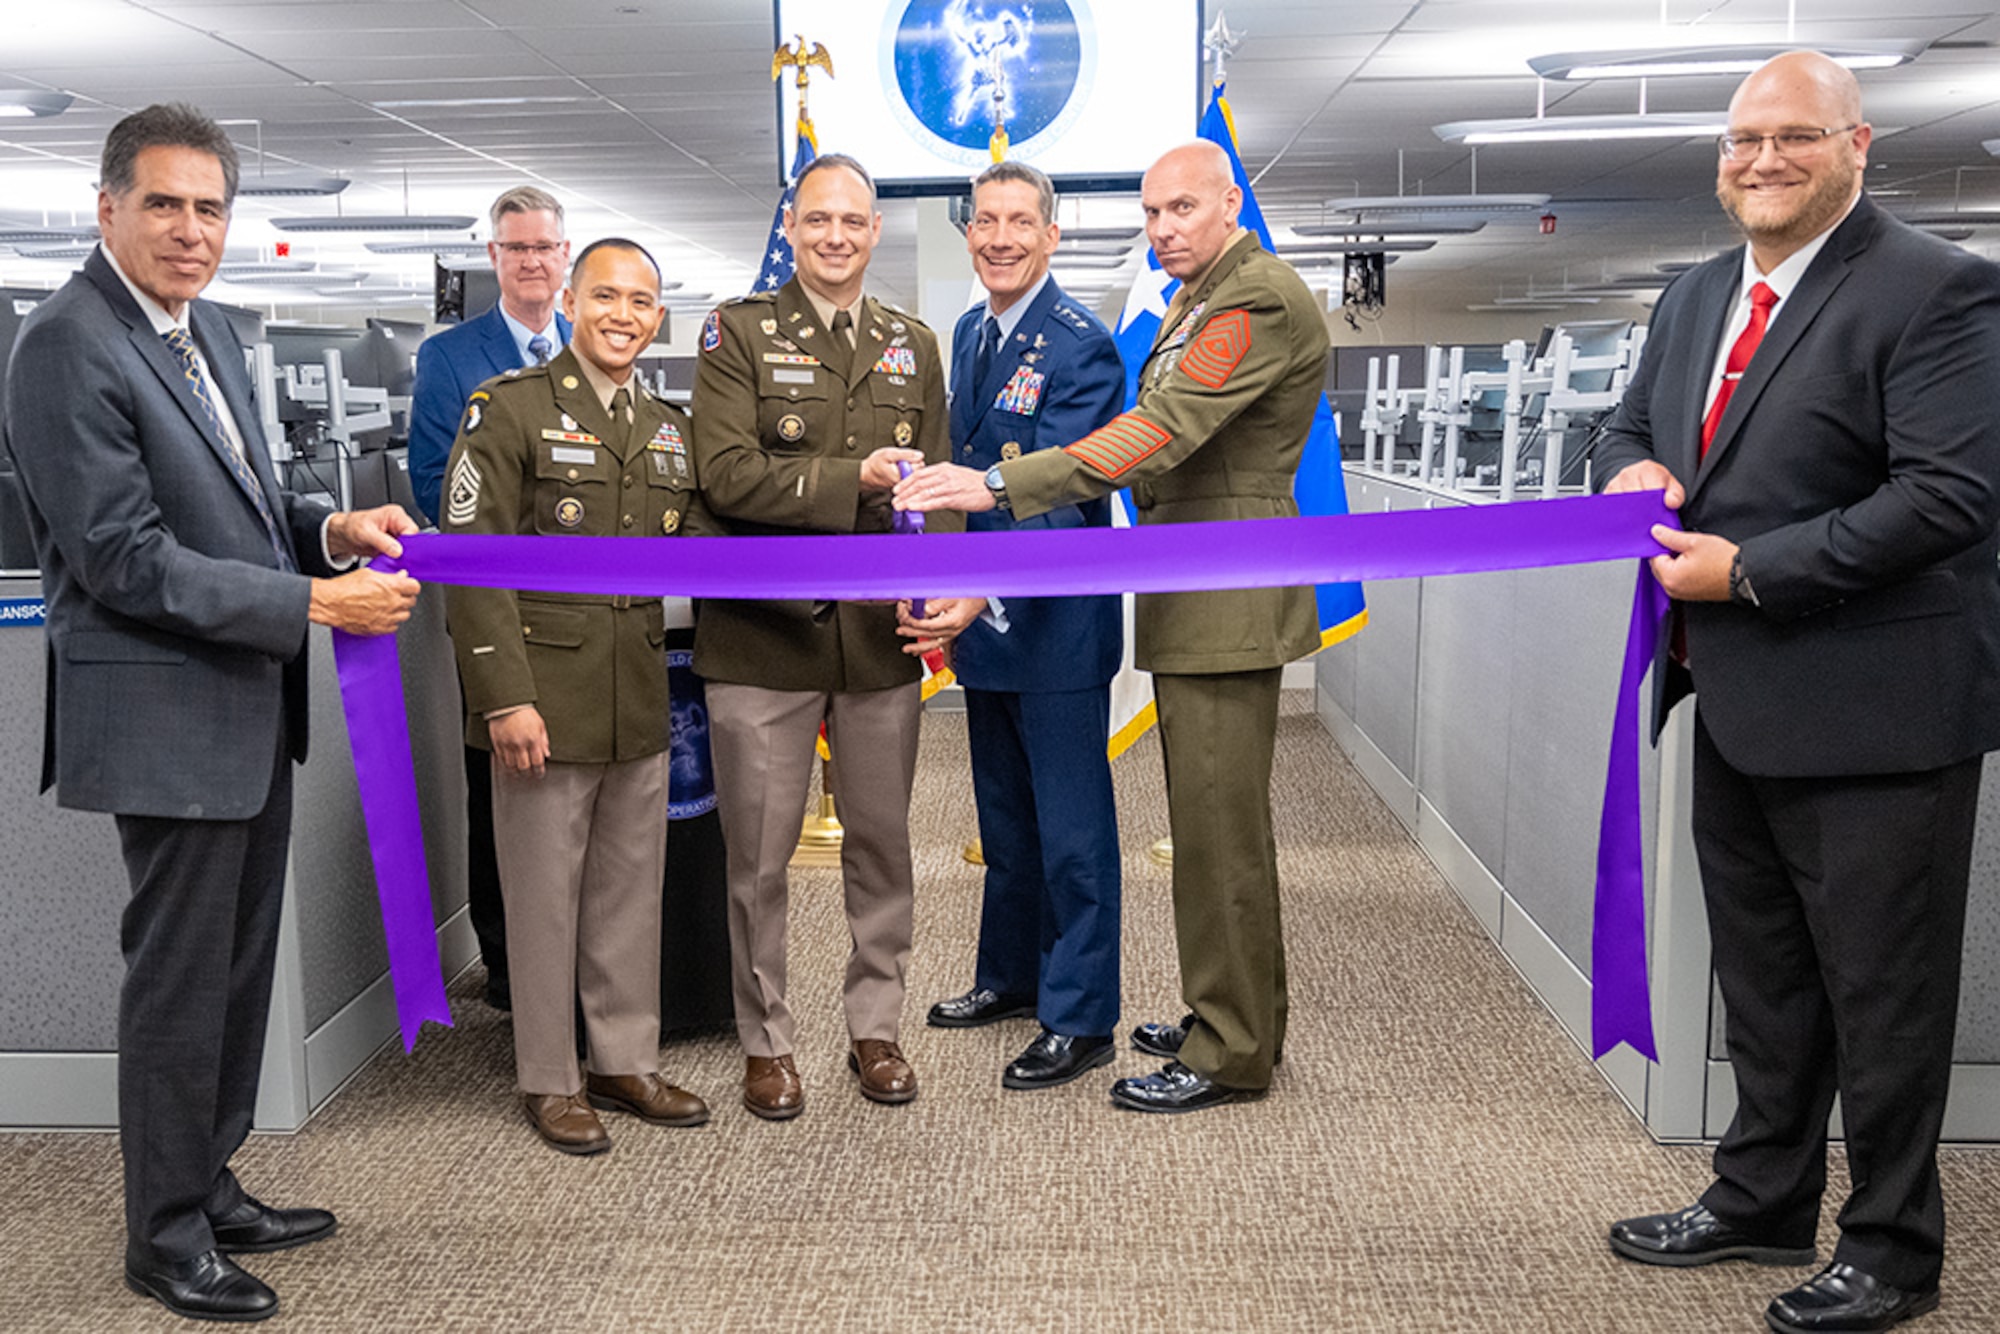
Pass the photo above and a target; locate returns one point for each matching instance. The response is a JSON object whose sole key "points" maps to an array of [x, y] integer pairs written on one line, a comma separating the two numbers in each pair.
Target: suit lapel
{"points": [[503, 354], [232, 381], [1712, 302]]}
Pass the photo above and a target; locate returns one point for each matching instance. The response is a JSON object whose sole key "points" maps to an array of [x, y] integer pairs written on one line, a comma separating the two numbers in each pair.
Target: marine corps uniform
{"points": [[581, 848], [1226, 400], [784, 417]]}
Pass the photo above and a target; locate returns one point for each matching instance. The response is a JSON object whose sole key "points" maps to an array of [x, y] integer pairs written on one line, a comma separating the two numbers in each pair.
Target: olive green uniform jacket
{"points": [[1226, 400], [536, 453], [783, 419]]}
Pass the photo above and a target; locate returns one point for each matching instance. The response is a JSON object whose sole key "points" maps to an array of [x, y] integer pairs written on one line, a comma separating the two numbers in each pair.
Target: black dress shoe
{"points": [[977, 1008], [254, 1226], [1694, 1236], [1056, 1058], [1175, 1089], [204, 1287], [499, 995], [1162, 1040], [1842, 1298]]}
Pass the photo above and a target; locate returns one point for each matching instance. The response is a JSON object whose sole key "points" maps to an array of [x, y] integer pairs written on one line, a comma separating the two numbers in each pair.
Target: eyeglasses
{"points": [[1789, 143], [528, 249]]}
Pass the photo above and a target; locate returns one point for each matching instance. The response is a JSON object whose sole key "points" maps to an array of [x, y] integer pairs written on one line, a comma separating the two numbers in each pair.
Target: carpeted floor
{"points": [[1435, 1155]]}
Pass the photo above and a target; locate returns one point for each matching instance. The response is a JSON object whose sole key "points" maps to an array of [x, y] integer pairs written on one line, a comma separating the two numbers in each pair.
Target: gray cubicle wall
{"points": [[63, 887], [1480, 707]]}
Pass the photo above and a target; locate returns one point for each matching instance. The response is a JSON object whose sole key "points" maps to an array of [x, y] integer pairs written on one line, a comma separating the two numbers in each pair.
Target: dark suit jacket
{"points": [[450, 365], [176, 645], [1057, 379], [1858, 467]]}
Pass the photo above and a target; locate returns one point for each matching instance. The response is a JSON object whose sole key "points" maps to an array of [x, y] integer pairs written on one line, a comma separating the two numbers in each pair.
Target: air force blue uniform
{"points": [[1038, 695]]}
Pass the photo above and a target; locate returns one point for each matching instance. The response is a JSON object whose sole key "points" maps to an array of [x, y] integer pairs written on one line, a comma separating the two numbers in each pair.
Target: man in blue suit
{"points": [[1031, 369], [524, 328]]}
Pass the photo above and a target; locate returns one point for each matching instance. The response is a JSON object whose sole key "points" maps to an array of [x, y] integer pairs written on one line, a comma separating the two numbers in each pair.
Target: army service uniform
{"points": [[581, 848], [784, 416], [1226, 400]]}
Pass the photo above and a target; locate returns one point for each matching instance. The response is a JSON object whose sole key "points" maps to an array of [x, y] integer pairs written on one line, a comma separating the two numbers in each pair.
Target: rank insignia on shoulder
{"points": [[791, 427], [670, 522], [512, 373], [897, 361], [769, 326], [905, 433], [1011, 450], [711, 331], [569, 512]]}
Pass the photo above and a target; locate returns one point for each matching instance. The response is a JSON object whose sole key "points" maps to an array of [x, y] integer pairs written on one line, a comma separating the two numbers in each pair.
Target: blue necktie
{"points": [[982, 358], [539, 348], [183, 349]]}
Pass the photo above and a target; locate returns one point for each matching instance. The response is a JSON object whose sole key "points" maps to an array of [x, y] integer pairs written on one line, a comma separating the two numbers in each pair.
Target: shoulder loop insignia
{"points": [[1219, 349]]}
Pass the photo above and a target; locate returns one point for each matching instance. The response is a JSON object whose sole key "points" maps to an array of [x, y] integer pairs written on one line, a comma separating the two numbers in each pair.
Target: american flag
{"points": [[776, 270]]}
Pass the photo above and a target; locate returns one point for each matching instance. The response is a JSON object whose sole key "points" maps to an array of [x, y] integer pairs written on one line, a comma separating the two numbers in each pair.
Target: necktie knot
{"points": [[1763, 298], [539, 348], [621, 403], [843, 328]]}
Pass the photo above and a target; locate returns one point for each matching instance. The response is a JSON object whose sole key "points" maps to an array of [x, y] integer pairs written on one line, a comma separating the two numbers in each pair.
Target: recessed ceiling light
{"points": [[47, 235], [1575, 129], [407, 103], [1724, 58], [1968, 217], [1358, 246], [268, 184], [1436, 227], [442, 249]]}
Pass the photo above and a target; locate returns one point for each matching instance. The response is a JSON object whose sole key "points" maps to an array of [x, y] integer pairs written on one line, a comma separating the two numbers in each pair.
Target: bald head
{"points": [[1191, 201], [1801, 148]]}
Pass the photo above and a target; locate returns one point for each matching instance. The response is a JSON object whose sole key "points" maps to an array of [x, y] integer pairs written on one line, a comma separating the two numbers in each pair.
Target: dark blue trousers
{"points": [[1048, 827]]}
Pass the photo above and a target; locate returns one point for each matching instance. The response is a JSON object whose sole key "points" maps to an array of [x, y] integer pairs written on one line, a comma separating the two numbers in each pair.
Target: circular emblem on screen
{"points": [[966, 68]]}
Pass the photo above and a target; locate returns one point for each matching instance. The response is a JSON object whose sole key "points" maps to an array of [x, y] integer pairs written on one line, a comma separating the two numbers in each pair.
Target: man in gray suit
{"points": [[180, 578]]}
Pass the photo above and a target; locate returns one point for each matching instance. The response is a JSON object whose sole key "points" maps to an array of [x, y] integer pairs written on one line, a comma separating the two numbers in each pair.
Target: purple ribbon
{"points": [[1163, 558]]}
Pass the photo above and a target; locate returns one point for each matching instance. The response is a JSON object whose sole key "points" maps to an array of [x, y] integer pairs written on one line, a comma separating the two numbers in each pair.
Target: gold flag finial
{"points": [[795, 57]]}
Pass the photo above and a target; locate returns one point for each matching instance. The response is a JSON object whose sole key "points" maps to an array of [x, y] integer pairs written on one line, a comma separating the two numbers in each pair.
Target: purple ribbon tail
{"points": [[371, 692], [1620, 1006]]}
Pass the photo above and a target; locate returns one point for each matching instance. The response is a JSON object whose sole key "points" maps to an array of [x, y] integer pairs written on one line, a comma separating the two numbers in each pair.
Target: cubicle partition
{"points": [[1479, 707]]}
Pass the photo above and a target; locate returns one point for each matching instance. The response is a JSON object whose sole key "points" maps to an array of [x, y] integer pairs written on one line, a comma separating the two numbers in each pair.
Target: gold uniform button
{"points": [[795, 391], [850, 405], [630, 480], [626, 521], [527, 630], [573, 474], [850, 442]]}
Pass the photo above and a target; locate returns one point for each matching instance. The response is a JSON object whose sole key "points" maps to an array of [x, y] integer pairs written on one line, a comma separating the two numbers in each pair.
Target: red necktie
{"points": [[1762, 298]]}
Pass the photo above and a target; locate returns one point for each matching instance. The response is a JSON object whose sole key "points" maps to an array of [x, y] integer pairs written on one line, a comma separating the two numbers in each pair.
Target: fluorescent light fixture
{"points": [[235, 270], [1738, 58], [33, 102], [1356, 230], [405, 104], [1066, 250], [47, 235], [66, 250], [1949, 233], [442, 249], [1577, 129], [1077, 259], [398, 222], [1969, 217], [319, 279], [1088, 234], [1356, 247], [1516, 306], [1417, 205], [1547, 299], [270, 184]]}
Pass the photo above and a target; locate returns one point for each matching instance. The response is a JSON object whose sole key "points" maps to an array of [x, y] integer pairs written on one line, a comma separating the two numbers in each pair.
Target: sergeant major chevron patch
{"points": [[1220, 349]]}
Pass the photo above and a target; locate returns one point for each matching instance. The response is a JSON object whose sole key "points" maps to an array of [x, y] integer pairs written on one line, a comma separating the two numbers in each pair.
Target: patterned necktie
{"points": [[183, 349], [1762, 298], [982, 359], [539, 348]]}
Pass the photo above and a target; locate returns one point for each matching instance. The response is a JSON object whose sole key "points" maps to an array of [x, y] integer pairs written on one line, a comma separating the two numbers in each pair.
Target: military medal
{"points": [[670, 521], [791, 427], [904, 434], [1021, 394], [569, 512], [1011, 450], [897, 361]]}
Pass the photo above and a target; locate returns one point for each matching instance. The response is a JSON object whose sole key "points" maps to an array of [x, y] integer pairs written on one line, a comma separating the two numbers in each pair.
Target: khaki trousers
{"points": [[1218, 734], [762, 741], [582, 854]]}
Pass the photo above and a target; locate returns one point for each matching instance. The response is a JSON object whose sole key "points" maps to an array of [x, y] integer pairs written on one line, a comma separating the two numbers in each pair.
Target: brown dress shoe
{"points": [[648, 1097], [885, 1075], [771, 1087], [566, 1122]]}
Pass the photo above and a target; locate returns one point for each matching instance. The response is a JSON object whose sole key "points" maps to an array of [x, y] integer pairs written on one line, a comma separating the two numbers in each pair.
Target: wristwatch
{"points": [[998, 488]]}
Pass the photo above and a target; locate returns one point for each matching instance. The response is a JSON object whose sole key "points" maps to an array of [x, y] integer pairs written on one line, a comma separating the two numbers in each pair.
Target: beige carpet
{"points": [[1435, 1155]]}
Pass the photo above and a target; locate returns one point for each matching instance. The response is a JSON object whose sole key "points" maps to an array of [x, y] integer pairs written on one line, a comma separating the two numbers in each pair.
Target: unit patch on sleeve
{"points": [[1022, 394], [711, 331], [1223, 343], [1116, 446]]}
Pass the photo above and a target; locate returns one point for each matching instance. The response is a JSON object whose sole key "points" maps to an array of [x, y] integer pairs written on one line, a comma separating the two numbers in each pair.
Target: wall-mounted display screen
{"points": [[1090, 91]]}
